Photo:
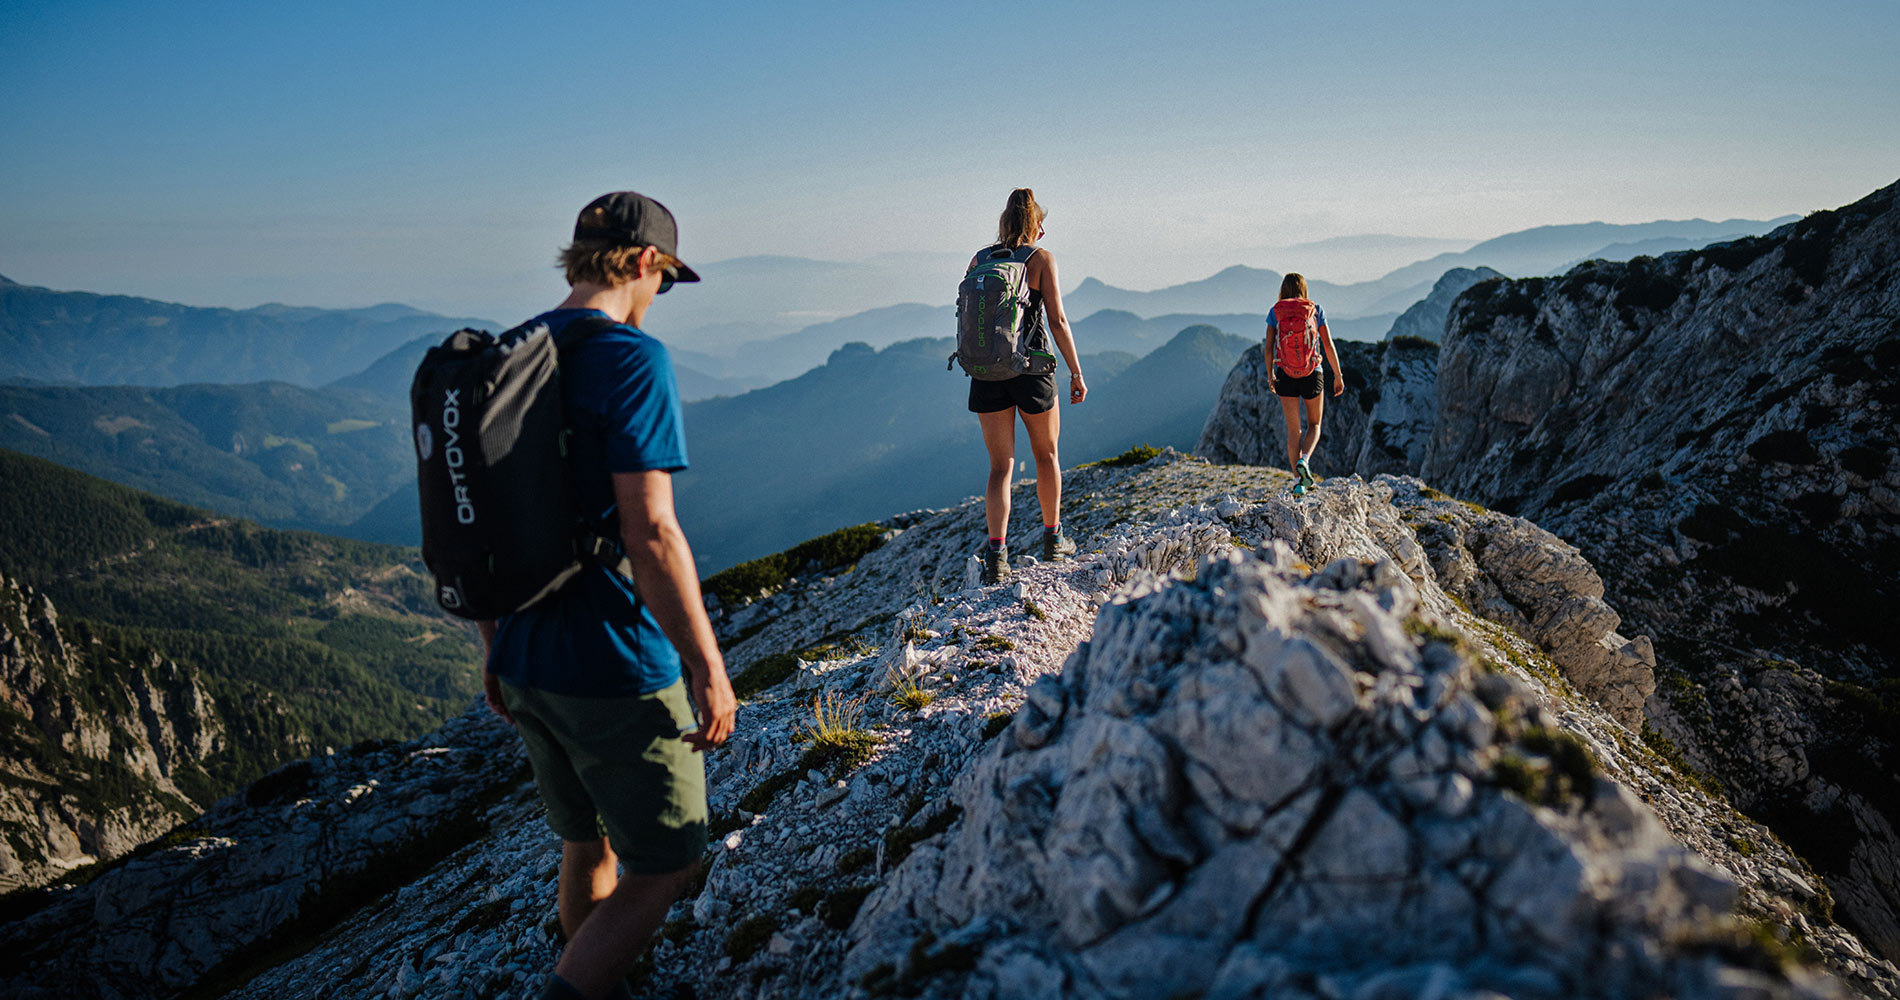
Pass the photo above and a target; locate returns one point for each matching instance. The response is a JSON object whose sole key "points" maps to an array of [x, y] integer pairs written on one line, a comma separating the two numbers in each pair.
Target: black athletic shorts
{"points": [[1304, 387], [1028, 393]]}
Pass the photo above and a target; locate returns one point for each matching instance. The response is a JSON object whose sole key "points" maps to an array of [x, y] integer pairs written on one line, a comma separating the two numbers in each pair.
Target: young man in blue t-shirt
{"points": [[597, 677]]}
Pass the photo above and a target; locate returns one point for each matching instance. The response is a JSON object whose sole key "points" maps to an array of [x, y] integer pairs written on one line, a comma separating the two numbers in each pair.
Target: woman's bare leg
{"points": [[1043, 430], [1315, 408], [999, 437], [1290, 407]]}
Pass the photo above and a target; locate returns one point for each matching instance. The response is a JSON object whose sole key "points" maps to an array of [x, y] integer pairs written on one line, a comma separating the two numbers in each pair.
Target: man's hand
{"points": [[1339, 383], [491, 690], [1078, 389], [712, 693]]}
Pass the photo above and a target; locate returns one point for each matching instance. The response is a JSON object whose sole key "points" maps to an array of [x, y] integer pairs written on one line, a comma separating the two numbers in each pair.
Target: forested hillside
{"points": [[303, 640], [269, 451]]}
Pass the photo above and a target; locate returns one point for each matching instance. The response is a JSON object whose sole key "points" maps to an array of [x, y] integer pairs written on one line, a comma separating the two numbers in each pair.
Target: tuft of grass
{"points": [[770, 671], [994, 643], [1412, 340], [748, 581], [841, 907], [915, 634], [1513, 773], [751, 935], [679, 930], [907, 693], [1547, 767], [996, 722], [804, 899], [1030, 607], [838, 745], [1433, 632], [766, 672], [927, 960], [1664, 747], [856, 858], [765, 791], [722, 823], [899, 842]]}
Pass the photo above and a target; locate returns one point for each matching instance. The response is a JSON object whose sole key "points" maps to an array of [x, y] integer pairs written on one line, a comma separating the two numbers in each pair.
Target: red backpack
{"points": [[1297, 351]]}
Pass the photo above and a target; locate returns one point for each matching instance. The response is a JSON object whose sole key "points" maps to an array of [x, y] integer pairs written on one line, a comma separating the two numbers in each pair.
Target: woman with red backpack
{"points": [[1296, 335]]}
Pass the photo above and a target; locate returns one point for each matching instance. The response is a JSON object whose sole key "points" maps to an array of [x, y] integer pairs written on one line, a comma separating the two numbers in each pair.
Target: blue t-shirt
{"points": [[595, 637]]}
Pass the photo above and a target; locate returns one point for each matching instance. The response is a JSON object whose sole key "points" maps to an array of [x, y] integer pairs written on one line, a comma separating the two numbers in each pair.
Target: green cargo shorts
{"points": [[618, 765]]}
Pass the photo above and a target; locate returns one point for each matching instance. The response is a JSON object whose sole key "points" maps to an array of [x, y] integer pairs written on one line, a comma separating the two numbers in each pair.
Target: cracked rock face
{"points": [[1382, 423], [1715, 431], [1246, 426], [1253, 766], [75, 721], [1233, 756], [1425, 318]]}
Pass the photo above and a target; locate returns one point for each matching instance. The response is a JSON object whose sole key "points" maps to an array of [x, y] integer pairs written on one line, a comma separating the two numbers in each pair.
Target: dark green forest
{"points": [[342, 635]]}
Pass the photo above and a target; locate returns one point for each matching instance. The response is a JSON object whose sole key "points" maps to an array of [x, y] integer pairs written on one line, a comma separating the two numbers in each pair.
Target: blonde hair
{"points": [[1293, 286], [601, 263], [1021, 222]]}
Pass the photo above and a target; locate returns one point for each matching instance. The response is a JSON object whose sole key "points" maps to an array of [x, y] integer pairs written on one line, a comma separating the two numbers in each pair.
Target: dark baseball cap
{"points": [[628, 218]]}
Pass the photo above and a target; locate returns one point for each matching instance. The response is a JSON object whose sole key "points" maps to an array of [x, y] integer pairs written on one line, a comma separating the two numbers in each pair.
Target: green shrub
{"points": [[765, 672], [747, 581], [1133, 456]]}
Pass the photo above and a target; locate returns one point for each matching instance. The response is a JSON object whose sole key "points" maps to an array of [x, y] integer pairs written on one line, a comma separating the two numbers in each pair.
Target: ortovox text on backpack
{"points": [[500, 526], [1296, 345], [999, 335]]}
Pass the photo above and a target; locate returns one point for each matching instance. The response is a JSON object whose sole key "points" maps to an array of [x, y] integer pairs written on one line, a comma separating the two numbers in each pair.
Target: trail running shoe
{"points": [[1306, 474], [1299, 489], [1057, 547], [995, 565]]}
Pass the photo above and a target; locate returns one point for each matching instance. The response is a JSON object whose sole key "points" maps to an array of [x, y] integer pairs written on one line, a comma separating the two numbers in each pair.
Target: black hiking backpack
{"points": [[994, 328], [501, 528]]}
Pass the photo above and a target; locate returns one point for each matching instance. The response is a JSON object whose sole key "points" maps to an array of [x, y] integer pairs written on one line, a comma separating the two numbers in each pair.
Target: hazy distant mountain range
{"points": [[771, 318], [875, 431], [862, 420], [90, 339]]}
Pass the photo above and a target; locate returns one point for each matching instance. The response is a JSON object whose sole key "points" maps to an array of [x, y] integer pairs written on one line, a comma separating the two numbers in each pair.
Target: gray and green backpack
{"points": [[995, 325]]}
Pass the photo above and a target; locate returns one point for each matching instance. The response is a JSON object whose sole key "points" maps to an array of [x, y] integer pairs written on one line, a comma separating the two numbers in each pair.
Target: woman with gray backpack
{"points": [[1008, 305]]}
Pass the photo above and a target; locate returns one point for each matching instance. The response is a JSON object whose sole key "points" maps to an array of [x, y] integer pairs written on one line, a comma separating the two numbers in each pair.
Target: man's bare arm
{"points": [[668, 582], [491, 685]]}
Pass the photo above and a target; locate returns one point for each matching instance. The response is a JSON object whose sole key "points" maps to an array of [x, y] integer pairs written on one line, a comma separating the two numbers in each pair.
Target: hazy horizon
{"points": [[435, 155]]}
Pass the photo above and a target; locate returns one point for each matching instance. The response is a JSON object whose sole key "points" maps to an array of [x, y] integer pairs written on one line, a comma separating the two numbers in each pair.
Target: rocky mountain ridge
{"points": [[1238, 730], [97, 744], [1715, 430]]}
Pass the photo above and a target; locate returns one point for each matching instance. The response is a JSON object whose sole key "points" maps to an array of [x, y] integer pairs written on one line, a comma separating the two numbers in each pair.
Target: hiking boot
{"points": [[1056, 547], [1305, 473], [995, 565]]}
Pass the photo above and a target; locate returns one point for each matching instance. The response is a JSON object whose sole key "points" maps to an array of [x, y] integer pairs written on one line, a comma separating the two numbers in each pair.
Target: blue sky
{"points": [[345, 153]]}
